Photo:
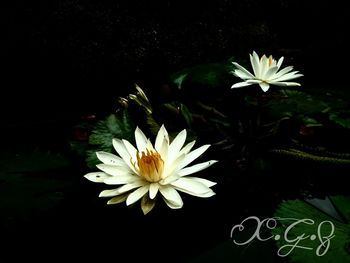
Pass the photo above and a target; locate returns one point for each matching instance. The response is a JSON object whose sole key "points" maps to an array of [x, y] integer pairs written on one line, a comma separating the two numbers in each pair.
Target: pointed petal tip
{"points": [[117, 199], [145, 209], [177, 207], [96, 177], [211, 162], [208, 194], [241, 84], [235, 86], [264, 86], [147, 204], [116, 143], [137, 194]]}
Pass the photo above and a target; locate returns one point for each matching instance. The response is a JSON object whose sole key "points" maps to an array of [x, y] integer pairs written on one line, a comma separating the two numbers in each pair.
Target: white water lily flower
{"points": [[148, 171], [266, 72]]}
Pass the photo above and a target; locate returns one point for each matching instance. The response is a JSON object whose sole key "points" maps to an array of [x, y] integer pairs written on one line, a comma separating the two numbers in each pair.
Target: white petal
{"points": [[207, 194], [187, 148], [283, 72], [210, 193], [270, 72], [256, 63], [273, 63], [202, 180], [240, 85], [176, 145], [153, 190], [97, 177], [264, 86], [117, 199], [162, 136], [149, 146], [195, 168], [123, 179], [147, 204], [173, 205], [109, 193], [171, 167], [122, 151], [108, 158], [131, 149], [243, 71], [114, 170], [254, 81], [170, 179], [288, 76], [190, 157], [164, 149], [191, 186], [141, 139], [137, 194], [133, 185], [284, 84], [280, 61], [242, 74], [264, 66], [170, 194]]}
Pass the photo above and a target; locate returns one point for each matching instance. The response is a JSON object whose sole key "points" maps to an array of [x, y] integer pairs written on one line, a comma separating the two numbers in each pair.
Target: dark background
{"points": [[62, 59]]}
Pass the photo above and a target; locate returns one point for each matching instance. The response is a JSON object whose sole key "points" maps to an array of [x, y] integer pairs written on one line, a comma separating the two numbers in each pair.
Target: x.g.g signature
{"points": [[292, 239]]}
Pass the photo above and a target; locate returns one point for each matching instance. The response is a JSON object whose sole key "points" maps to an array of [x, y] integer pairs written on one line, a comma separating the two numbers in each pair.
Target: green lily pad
{"points": [[293, 102], [113, 126], [321, 237]]}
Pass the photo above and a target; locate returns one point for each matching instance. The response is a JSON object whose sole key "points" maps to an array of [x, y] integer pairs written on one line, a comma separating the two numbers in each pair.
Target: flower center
{"points": [[150, 165]]}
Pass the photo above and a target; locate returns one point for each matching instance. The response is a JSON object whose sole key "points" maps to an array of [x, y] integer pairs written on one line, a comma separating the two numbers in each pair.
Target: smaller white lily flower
{"points": [[266, 72], [148, 171]]}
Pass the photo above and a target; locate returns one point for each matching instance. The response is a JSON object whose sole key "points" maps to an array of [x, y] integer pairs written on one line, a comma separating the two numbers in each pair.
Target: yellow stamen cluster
{"points": [[150, 165]]}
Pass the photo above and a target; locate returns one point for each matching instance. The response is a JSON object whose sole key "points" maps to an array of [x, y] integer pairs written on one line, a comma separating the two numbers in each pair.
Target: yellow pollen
{"points": [[270, 60], [150, 165]]}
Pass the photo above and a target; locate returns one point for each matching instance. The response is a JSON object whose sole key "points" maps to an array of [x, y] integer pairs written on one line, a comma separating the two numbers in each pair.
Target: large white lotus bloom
{"points": [[148, 172], [266, 72]]}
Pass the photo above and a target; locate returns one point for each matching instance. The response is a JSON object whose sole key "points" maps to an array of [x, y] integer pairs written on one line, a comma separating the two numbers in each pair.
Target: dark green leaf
{"points": [[117, 125], [296, 102], [342, 118], [292, 210], [185, 112], [213, 74]]}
